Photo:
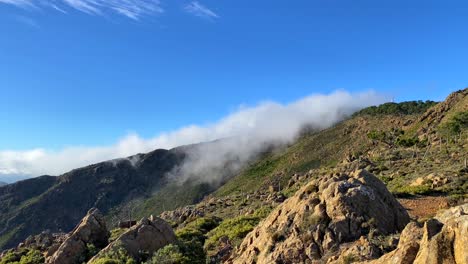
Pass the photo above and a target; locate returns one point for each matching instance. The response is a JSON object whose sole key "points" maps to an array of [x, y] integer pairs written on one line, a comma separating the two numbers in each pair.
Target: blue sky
{"points": [[77, 74]]}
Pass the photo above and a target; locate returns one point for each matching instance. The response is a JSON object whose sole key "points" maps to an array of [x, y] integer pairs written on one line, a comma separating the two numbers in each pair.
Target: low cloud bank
{"points": [[246, 131]]}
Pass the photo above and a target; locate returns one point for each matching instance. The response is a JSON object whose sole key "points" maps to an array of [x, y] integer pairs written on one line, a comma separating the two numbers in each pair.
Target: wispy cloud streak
{"points": [[200, 10], [133, 9]]}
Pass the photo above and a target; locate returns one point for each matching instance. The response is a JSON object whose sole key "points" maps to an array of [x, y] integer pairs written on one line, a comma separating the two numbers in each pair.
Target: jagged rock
{"points": [[319, 217], [443, 239], [407, 249], [182, 214], [91, 230], [45, 242], [361, 250], [146, 236]]}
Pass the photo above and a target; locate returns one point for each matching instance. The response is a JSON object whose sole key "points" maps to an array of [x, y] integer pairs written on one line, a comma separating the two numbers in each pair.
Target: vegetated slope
{"points": [[387, 142], [405, 129], [58, 203], [318, 149]]}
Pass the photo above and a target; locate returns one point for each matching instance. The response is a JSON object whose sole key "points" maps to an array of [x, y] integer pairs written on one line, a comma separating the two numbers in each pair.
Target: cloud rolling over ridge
{"points": [[248, 130]]}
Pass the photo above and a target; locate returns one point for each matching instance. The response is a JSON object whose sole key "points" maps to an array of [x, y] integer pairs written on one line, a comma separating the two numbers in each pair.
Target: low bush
{"points": [[23, 256], [170, 254], [235, 229], [118, 256], [404, 108]]}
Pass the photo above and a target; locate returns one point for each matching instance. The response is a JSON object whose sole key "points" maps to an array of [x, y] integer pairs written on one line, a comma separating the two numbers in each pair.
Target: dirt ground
{"points": [[420, 207]]}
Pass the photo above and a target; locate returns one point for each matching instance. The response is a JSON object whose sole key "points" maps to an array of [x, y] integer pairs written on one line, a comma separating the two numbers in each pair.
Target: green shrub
{"points": [[376, 135], [204, 224], [115, 233], [170, 254], [118, 256], [407, 142], [10, 257], [32, 257], [191, 239], [23, 256], [349, 259], [106, 260], [263, 212], [412, 190], [235, 229], [191, 244], [404, 108], [455, 125]]}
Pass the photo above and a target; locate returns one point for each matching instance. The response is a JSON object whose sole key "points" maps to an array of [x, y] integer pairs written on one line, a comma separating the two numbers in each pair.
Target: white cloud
{"points": [[248, 130], [133, 9], [200, 10], [20, 3]]}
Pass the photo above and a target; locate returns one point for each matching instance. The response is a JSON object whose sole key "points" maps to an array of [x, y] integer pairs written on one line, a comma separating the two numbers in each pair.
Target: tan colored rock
{"points": [[359, 250], [407, 249], [91, 230], [418, 182], [445, 238], [146, 236], [442, 240], [319, 217]]}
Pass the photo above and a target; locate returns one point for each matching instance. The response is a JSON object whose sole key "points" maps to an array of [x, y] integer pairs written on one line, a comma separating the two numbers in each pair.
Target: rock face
{"points": [[443, 239], [91, 230], [325, 213], [146, 236]]}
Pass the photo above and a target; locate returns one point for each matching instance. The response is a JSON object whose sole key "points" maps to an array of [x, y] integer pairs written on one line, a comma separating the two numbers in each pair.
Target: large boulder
{"points": [[443, 239], [147, 236], [329, 211], [91, 230]]}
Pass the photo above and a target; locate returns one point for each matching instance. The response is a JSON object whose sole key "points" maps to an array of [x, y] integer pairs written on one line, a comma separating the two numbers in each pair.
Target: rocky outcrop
{"points": [[148, 235], [443, 239], [407, 249], [182, 214], [329, 211], [45, 242], [91, 230]]}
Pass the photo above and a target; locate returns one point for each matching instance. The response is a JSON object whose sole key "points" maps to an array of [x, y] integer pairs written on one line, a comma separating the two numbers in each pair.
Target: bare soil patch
{"points": [[420, 207]]}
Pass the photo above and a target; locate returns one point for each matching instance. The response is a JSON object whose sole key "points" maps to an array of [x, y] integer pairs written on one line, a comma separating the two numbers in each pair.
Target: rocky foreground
{"points": [[337, 218]]}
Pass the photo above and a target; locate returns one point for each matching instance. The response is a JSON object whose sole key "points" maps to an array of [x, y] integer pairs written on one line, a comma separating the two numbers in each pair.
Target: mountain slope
{"points": [[400, 156], [58, 203]]}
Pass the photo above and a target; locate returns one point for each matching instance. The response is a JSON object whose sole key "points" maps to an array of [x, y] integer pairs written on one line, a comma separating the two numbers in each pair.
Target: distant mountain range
{"points": [[3, 183]]}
